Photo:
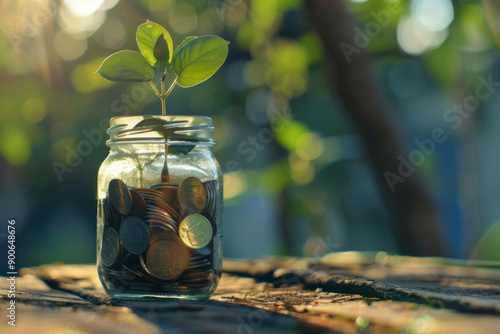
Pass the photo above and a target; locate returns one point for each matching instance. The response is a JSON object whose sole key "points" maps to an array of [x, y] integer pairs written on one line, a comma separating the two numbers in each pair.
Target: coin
{"points": [[112, 217], [134, 235], [159, 226], [195, 231], [170, 191], [155, 193], [159, 207], [151, 280], [162, 210], [111, 248], [120, 196], [210, 187], [204, 265], [155, 198], [107, 212], [194, 275], [167, 257], [205, 251], [138, 204], [199, 285], [136, 272], [192, 196]]}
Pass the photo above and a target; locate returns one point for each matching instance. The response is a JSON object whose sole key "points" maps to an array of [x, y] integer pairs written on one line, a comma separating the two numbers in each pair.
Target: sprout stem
{"points": [[162, 94], [162, 97], [154, 88], [171, 87]]}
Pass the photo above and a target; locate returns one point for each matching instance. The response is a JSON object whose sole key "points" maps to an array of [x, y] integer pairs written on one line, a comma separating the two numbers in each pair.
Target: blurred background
{"points": [[301, 143]]}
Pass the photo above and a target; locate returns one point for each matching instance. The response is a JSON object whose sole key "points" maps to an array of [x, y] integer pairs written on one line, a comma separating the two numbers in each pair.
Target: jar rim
{"points": [[207, 119], [161, 129]]}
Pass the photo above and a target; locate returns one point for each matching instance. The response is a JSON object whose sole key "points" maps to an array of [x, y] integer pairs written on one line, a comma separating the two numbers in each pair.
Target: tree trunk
{"points": [[415, 218]]}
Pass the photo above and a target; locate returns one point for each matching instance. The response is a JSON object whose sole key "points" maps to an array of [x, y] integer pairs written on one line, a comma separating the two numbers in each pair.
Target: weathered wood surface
{"points": [[343, 293]]}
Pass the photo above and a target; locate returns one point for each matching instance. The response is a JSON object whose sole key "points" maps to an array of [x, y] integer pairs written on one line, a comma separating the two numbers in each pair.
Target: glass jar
{"points": [[159, 215]]}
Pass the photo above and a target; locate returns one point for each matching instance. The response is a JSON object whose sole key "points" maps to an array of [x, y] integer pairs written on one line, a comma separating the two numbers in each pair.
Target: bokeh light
{"points": [[78, 25], [156, 5], [309, 146], [254, 73], [15, 144], [83, 8], [236, 15], [301, 171], [34, 109], [434, 15], [183, 18], [235, 184], [112, 35], [68, 46], [415, 38], [84, 79], [287, 71]]}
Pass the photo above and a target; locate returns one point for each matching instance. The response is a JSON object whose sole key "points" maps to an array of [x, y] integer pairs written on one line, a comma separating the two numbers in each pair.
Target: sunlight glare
{"points": [[83, 8], [434, 15]]}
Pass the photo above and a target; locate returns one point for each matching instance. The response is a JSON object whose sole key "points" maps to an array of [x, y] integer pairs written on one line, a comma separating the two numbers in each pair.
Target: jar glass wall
{"points": [[159, 215]]}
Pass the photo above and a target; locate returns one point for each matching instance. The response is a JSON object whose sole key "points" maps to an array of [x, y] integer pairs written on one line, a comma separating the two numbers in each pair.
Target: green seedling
{"points": [[193, 61]]}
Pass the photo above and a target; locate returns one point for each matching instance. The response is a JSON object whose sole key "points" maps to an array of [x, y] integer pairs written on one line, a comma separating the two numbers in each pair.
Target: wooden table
{"points": [[340, 293]]}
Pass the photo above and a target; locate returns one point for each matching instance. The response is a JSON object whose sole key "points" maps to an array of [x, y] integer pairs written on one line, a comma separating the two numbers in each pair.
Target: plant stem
{"points": [[163, 97], [171, 87], [162, 94], [154, 88], [165, 175]]}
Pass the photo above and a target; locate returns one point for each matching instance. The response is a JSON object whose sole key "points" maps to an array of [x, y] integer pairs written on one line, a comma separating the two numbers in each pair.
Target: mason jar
{"points": [[159, 215]]}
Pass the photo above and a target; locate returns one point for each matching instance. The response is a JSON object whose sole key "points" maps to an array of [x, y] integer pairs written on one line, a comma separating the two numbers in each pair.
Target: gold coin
{"points": [[167, 257], [170, 191], [157, 199], [195, 231], [192, 196]]}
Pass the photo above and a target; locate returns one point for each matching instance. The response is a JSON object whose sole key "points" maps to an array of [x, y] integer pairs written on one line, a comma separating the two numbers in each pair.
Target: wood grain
{"points": [[274, 295]]}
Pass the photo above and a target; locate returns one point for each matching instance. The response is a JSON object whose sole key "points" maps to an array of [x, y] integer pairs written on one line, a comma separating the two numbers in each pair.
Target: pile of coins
{"points": [[161, 236]]}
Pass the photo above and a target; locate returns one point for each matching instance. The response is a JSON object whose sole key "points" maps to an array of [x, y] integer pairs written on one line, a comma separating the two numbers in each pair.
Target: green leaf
{"points": [[184, 42], [158, 75], [161, 53], [147, 37], [126, 66], [199, 59]]}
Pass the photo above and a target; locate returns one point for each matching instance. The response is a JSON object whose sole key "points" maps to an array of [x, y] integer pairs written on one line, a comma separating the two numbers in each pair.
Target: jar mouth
{"points": [[161, 129]]}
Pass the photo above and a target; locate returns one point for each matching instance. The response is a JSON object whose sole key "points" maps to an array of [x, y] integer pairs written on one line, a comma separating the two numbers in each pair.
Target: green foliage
{"points": [[195, 60], [198, 59], [184, 42], [126, 66], [161, 53], [147, 37]]}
